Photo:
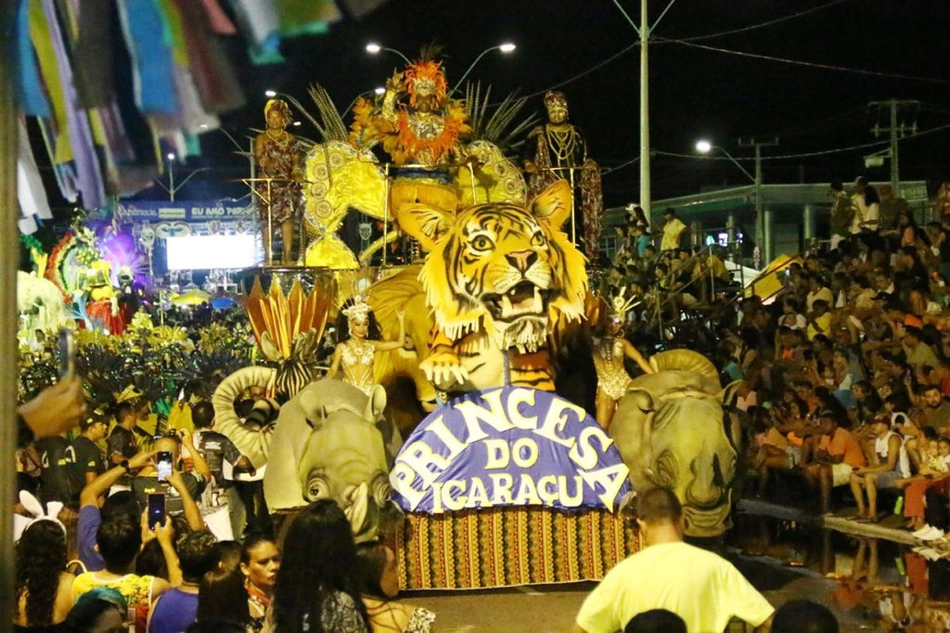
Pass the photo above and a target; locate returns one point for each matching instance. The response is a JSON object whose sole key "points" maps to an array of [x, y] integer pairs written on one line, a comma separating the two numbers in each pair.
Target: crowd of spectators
{"points": [[845, 373], [845, 369]]}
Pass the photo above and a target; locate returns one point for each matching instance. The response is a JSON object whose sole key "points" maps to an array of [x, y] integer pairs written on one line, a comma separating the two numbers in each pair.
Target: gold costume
{"points": [[357, 358], [612, 377]]}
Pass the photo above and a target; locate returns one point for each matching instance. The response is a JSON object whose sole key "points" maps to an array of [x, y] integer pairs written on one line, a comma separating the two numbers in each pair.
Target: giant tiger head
{"points": [[500, 267]]}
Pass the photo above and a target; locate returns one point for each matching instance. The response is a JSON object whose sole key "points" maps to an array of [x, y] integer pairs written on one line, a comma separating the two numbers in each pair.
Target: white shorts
{"points": [[840, 474]]}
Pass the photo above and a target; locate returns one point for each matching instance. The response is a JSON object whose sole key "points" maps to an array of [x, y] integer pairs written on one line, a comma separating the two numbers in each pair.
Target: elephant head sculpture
{"points": [[670, 430], [329, 443]]}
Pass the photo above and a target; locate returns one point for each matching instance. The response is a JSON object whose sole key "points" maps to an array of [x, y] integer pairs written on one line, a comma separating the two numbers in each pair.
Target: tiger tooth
{"points": [[506, 307], [537, 300]]}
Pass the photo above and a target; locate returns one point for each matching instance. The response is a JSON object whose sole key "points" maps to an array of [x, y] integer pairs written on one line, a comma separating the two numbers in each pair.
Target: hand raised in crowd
{"points": [[56, 409], [141, 459], [165, 533]]}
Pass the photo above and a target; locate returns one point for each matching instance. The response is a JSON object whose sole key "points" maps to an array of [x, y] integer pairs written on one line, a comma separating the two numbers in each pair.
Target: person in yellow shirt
{"points": [[672, 231], [819, 320], [697, 585]]}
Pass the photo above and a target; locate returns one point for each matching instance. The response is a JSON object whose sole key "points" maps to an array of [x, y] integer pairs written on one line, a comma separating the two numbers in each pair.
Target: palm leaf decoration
{"points": [[497, 123], [326, 119]]}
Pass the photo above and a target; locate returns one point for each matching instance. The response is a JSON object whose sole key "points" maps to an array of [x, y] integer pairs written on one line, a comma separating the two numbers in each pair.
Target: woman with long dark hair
{"points": [[44, 589], [380, 585], [318, 588], [221, 596]]}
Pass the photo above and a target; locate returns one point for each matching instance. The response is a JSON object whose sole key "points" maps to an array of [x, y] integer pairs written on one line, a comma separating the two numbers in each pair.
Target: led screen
{"points": [[201, 252]]}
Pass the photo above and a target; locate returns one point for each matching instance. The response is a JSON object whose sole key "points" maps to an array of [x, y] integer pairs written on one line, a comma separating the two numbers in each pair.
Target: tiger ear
{"points": [[423, 222], [554, 204]]}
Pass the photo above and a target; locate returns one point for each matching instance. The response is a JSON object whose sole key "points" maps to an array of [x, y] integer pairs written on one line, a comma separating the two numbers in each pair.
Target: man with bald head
{"points": [[146, 481], [697, 585]]}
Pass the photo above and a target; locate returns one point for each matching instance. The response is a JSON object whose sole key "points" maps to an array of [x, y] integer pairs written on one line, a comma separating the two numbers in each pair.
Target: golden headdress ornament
{"points": [[555, 98], [358, 310], [425, 77], [619, 305]]}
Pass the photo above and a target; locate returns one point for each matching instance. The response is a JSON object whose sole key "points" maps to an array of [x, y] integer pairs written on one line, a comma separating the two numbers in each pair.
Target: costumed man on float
{"points": [[420, 129], [558, 150], [279, 157]]}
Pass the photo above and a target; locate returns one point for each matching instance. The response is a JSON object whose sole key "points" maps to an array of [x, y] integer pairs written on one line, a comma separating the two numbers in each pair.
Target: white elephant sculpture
{"points": [[671, 431]]}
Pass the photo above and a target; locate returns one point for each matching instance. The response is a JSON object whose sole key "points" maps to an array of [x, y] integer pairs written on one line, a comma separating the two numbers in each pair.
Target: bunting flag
{"points": [[70, 78]]}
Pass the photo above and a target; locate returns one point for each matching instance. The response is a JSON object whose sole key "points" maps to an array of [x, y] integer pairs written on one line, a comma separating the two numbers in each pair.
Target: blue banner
{"points": [[510, 446], [186, 211]]}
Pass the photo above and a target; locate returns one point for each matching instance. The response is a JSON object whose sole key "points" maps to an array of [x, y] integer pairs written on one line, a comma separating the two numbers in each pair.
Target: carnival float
{"points": [[456, 386]]}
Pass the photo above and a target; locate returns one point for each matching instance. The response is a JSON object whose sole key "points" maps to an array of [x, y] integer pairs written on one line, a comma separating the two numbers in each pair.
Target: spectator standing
{"points": [[87, 460], [146, 481], [842, 213], [177, 608], [43, 587], [119, 540], [867, 209], [56, 481], [891, 207], [673, 229], [320, 584], [221, 455], [222, 597], [121, 444], [380, 584], [699, 586], [260, 562]]}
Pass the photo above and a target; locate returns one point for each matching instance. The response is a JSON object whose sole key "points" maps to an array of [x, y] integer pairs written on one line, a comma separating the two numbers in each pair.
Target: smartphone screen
{"points": [[164, 465], [156, 509], [67, 354]]}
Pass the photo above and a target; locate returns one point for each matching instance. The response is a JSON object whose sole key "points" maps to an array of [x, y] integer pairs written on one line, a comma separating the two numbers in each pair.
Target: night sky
{"points": [[694, 93]]}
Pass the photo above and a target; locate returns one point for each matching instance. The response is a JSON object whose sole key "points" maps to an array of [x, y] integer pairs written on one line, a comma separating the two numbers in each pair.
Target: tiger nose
{"points": [[522, 260]]}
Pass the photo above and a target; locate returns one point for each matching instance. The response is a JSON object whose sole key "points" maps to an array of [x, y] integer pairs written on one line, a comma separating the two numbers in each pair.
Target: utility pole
{"points": [[763, 230], [645, 194], [894, 105]]}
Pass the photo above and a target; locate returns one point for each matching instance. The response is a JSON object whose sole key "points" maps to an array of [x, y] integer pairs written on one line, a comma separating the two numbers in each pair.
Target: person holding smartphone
{"points": [[163, 475]]}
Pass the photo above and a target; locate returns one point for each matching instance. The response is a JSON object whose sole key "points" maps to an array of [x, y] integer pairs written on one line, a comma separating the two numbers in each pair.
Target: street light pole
{"points": [[505, 48], [763, 233], [645, 194]]}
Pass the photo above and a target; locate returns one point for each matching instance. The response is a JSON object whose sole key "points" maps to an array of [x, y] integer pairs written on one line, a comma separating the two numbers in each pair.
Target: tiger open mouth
{"points": [[523, 299]]}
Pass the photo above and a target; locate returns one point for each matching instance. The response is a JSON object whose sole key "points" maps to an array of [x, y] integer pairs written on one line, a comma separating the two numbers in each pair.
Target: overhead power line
{"points": [[798, 62], [761, 25], [836, 150]]}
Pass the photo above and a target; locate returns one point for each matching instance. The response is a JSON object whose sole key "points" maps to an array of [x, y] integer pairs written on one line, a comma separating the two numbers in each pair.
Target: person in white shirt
{"points": [[867, 204]]}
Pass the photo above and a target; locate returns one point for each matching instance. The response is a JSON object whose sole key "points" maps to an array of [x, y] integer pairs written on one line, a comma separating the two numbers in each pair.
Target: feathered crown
{"points": [[425, 77], [358, 310]]}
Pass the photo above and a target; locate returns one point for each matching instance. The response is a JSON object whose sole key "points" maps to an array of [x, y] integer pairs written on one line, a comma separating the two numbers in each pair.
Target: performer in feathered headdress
{"points": [[360, 339], [610, 350]]}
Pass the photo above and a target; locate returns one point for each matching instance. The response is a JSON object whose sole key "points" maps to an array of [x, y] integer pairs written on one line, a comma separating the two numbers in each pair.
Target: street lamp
{"points": [[374, 49], [379, 90], [705, 147], [505, 47]]}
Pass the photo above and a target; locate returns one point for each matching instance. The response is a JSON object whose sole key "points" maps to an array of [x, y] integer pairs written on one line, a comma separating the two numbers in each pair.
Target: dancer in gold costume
{"points": [[610, 350], [356, 355]]}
